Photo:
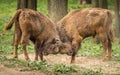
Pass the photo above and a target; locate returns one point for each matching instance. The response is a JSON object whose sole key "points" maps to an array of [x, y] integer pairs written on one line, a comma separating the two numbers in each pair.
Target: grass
{"points": [[89, 49], [49, 69]]}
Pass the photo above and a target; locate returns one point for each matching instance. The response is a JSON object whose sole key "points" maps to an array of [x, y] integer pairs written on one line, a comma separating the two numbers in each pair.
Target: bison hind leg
{"points": [[104, 41], [16, 38], [16, 42], [109, 50], [24, 41]]}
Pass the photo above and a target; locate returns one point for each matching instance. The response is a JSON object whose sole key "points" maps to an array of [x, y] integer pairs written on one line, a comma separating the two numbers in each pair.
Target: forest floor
{"points": [[17, 71], [95, 64]]}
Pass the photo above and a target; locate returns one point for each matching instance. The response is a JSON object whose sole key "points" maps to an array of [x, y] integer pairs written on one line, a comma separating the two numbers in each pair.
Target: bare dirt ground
{"points": [[109, 67], [16, 71]]}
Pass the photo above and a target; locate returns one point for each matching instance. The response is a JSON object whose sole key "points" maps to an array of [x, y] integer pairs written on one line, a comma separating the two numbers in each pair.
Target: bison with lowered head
{"points": [[34, 26], [80, 24]]}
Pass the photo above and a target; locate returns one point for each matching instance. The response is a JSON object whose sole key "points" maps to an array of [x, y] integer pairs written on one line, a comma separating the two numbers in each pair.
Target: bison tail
{"points": [[109, 26], [14, 18]]}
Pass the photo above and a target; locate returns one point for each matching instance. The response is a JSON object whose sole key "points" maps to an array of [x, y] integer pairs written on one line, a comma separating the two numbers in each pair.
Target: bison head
{"points": [[66, 48], [52, 47], [56, 46]]}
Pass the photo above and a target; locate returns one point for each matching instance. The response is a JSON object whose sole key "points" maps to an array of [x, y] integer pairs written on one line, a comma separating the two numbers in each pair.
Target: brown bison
{"points": [[80, 24], [34, 26]]}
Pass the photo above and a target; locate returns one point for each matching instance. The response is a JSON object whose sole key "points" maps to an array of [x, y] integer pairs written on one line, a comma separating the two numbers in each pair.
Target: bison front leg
{"points": [[24, 41], [73, 57], [76, 45], [41, 56], [36, 52]]}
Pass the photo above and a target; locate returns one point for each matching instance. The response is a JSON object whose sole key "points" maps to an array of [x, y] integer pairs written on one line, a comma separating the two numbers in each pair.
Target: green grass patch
{"points": [[49, 69], [90, 49]]}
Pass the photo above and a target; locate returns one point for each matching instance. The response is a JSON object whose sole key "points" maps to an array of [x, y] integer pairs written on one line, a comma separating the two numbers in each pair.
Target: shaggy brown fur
{"points": [[80, 24], [34, 26]]}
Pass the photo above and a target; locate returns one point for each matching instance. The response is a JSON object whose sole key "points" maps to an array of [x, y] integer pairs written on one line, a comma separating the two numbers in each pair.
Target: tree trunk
{"points": [[117, 19], [57, 9], [103, 4], [21, 4], [32, 4], [95, 3]]}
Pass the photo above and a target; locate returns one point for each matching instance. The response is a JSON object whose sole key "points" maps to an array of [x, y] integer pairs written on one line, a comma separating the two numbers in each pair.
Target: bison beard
{"points": [[80, 24]]}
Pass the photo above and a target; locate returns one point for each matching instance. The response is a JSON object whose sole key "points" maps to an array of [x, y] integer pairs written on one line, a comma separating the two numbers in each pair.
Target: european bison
{"points": [[34, 26], [80, 24]]}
